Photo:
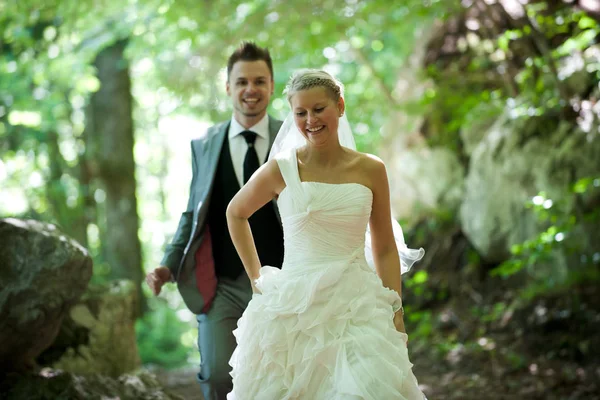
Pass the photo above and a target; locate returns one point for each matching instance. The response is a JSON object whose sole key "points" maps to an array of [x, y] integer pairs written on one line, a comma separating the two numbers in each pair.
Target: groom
{"points": [[201, 257]]}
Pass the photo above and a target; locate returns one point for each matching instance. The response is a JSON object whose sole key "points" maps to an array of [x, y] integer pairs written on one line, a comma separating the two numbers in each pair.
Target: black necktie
{"points": [[251, 163]]}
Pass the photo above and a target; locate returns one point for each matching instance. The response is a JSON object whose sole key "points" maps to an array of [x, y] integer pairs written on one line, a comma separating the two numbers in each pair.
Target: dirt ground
{"points": [[477, 381]]}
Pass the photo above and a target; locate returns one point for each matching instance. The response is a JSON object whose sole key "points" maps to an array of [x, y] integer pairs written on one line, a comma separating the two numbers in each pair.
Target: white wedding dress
{"points": [[322, 328]]}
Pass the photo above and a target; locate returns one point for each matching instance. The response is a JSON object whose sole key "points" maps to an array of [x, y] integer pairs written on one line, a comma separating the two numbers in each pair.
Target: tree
{"points": [[110, 142]]}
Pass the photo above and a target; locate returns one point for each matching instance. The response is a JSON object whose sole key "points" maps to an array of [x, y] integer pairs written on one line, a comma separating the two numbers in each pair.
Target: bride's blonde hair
{"points": [[305, 79]]}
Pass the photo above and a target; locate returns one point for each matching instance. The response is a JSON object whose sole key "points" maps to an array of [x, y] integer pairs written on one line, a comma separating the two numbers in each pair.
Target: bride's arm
{"points": [[265, 184], [385, 252]]}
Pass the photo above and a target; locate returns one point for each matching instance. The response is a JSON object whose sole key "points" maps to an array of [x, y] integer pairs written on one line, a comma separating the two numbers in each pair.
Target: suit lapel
{"points": [[274, 126], [215, 144], [211, 152], [215, 139]]}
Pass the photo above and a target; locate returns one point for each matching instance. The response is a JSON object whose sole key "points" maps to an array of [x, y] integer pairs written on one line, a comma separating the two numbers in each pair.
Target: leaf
{"points": [[507, 268], [582, 185], [587, 23], [516, 249], [420, 277]]}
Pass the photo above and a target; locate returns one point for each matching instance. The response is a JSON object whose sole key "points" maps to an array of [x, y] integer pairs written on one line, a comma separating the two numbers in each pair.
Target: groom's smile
{"points": [[250, 86], [251, 101]]}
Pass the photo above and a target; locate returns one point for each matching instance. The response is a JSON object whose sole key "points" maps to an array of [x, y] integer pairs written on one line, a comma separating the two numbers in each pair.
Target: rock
{"points": [[182, 381], [42, 273], [517, 159], [56, 384], [473, 132], [98, 335], [423, 180]]}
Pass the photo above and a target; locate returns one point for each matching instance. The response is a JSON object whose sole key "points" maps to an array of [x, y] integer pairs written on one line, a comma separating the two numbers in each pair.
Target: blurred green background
{"points": [[484, 111]]}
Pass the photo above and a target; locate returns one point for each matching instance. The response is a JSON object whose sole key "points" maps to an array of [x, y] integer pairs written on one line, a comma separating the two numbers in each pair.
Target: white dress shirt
{"points": [[238, 145]]}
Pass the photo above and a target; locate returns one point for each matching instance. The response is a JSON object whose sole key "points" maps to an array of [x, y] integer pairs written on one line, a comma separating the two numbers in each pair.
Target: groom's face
{"points": [[250, 86]]}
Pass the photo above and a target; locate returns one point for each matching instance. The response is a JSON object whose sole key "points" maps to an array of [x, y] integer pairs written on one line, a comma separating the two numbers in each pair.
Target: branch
{"points": [[378, 79], [493, 33]]}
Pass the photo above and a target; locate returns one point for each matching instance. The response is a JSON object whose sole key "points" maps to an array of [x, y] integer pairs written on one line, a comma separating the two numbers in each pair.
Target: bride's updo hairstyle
{"points": [[305, 79]]}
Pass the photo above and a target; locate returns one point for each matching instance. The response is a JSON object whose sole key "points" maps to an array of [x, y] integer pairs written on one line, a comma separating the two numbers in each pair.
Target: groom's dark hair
{"points": [[249, 51]]}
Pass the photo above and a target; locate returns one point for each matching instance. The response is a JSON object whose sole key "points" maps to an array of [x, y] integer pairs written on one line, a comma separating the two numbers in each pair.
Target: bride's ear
{"points": [[341, 106]]}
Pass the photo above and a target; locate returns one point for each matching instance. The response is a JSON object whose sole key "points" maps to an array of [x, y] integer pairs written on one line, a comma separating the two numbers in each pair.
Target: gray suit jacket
{"points": [[197, 286]]}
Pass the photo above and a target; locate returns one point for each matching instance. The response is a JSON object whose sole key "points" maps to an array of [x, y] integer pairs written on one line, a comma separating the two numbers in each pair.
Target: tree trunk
{"points": [[111, 136]]}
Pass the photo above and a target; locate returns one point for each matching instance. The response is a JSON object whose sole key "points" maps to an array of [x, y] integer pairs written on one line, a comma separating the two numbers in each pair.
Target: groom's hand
{"points": [[157, 278]]}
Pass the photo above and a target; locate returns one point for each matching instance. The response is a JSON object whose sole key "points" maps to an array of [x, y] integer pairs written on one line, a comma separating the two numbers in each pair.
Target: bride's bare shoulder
{"points": [[360, 158], [368, 169], [369, 162], [374, 172]]}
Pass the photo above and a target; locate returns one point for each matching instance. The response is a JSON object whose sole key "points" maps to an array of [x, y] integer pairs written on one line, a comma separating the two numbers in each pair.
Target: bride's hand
{"points": [[399, 321], [255, 290]]}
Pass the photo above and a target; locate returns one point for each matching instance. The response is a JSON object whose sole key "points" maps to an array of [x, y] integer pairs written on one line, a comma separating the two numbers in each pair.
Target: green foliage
{"points": [[525, 70], [562, 236], [423, 322], [160, 336], [416, 282], [177, 51], [489, 313]]}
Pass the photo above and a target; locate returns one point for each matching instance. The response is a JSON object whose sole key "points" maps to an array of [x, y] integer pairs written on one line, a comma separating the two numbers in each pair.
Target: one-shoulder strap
{"points": [[288, 166]]}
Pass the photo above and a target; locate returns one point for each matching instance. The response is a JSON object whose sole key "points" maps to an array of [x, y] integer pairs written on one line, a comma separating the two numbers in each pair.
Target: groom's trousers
{"points": [[215, 335]]}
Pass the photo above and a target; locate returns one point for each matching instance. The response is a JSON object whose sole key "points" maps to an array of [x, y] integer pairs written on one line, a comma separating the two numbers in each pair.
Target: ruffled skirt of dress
{"points": [[321, 333]]}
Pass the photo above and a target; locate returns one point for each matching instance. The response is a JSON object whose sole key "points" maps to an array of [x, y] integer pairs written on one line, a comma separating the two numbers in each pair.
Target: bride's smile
{"points": [[315, 130], [317, 114]]}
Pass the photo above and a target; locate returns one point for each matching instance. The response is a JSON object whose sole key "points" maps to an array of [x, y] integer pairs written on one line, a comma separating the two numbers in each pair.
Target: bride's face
{"points": [[316, 114]]}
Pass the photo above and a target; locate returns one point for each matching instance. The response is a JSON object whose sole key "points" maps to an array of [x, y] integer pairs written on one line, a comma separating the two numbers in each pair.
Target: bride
{"points": [[327, 325]]}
